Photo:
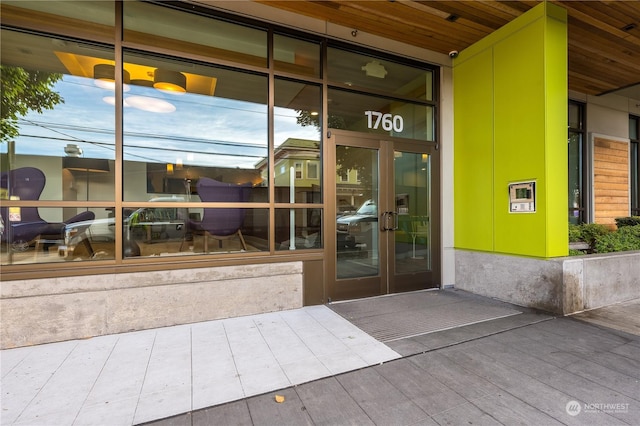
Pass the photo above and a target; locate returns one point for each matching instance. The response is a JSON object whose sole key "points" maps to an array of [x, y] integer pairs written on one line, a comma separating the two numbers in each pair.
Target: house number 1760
{"points": [[388, 121]]}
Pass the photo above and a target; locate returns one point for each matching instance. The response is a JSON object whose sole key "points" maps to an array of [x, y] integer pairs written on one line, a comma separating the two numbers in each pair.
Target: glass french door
{"points": [[387, 217]]}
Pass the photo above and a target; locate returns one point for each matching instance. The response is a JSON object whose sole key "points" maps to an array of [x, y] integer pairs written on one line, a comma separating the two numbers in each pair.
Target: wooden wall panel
{"points": [[610, 180]]}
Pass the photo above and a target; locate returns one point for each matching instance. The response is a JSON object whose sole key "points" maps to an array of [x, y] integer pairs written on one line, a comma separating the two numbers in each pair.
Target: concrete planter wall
{"points": [[65, 308], [562, 285]]}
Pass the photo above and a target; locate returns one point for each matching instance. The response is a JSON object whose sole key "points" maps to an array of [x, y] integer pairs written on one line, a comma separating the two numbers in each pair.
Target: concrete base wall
{"points": [[56, 309], [562, 285]]}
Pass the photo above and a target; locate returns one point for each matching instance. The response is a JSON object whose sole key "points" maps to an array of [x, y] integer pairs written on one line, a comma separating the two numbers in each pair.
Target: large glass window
{"points": [[296, 56], [58, 144], [297, 142], [576, 146], [398, 103], [81, 18], [213, 123], [54, 116], [375, 74], [169, 29], [297, 164], [192, 133], [634, 136]]}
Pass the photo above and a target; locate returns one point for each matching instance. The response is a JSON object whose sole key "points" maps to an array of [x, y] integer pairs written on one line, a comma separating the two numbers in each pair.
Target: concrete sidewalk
{"points": [[550, 372], [492, 363]]}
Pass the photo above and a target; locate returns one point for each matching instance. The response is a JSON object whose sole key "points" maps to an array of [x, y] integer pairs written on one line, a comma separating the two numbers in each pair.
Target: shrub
{"points": [[575, 233], [602, 240], [626, 238], [593, 231], [627, 221]]}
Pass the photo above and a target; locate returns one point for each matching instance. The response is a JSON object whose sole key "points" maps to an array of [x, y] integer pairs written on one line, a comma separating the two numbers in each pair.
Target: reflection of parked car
{"points": [[356, 231], [148, 225], [157, 224], [344, 210], [84, 234]]}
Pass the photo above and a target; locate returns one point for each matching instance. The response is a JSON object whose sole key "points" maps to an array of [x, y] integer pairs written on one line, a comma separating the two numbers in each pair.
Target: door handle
{"points": [[394, 217], [383, 221], [388, 221]]}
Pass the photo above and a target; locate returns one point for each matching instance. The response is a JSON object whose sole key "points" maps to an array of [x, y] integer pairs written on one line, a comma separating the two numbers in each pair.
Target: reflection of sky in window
{"points": [[286, 127], [83, 119], [203, 130]]}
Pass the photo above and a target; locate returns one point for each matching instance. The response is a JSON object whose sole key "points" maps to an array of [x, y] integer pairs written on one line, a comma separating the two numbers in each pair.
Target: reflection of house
{"points": [[300, 157], [348, 189]]}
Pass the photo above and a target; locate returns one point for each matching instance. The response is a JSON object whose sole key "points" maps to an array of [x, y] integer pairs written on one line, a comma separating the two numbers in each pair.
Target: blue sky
{"points": [[202, 131]]}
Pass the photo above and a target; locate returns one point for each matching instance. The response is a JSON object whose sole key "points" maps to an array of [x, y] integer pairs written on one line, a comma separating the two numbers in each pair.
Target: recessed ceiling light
{"points": [[147, 103], [111, 100]]}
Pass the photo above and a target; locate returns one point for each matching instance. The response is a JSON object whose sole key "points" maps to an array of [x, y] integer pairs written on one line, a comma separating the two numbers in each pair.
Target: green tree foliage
{"points": [[305, 118], [23, 91]]}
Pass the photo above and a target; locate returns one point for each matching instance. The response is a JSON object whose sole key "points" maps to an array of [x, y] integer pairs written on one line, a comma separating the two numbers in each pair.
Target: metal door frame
{"points": [[385, 282]]}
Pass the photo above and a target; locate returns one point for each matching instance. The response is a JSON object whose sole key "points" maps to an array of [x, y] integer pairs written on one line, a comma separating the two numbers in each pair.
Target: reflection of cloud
{"points": [[206, 130]]}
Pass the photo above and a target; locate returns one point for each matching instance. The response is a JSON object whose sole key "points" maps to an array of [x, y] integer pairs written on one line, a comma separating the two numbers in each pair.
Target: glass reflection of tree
{"points": [[306, 118], [24, 91]]}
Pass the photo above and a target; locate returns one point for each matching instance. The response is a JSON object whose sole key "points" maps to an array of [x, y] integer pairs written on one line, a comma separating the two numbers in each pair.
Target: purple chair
{"points": [[27, 183], [224, 223]]}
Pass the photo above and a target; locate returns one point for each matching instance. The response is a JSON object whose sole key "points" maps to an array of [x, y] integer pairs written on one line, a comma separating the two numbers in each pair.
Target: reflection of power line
{"points": [[194, 140], [154, 159], [181, 139], [165, 149], [144, 157], [70, 138], [52, 128]]}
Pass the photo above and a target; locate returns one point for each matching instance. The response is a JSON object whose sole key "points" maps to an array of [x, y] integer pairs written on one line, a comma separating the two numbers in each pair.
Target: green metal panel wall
{"points": [[510, 112], [473, 155]]}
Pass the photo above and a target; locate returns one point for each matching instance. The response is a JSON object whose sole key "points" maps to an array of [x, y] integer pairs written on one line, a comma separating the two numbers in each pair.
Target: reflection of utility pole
{"points": [[87, 182], [292, 212], [187, 188], [6, 227]]}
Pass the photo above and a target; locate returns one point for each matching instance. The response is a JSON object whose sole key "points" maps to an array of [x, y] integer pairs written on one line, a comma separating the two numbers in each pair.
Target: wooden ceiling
{"points": [[603, 36]]}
